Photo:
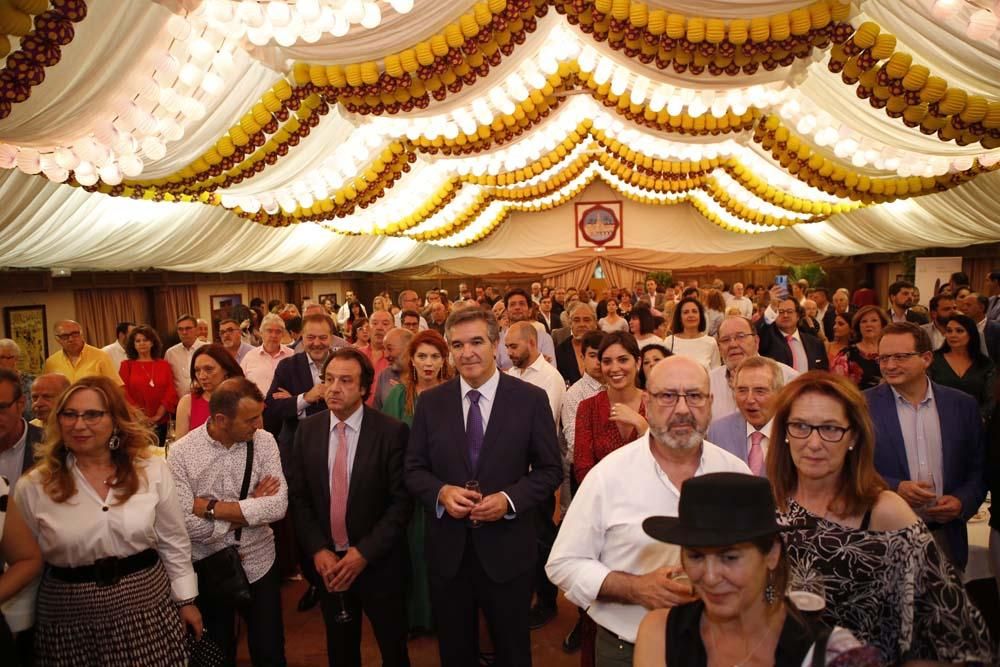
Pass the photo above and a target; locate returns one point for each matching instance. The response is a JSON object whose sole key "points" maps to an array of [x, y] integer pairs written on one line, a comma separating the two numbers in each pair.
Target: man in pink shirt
{"points": [[259, 363]]}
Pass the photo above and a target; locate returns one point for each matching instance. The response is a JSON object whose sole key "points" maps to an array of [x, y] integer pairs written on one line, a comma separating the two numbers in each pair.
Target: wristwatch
{"points": [[210, 510]]}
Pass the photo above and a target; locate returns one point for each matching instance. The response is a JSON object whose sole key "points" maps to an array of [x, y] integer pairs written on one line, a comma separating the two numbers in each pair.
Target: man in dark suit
{"points": [[826, 313], [783, 342], [545, 314], [655, 299], [930, 444], [493, 429], [900, 302], [351, 509], [974, 305], [569, 353], [747, 434], [17, 437]]}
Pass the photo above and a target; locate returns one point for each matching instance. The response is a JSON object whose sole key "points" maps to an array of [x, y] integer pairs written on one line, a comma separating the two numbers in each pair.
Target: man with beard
{"points": [[942, 307], [900, 301], [569, 353], [602, 559], [396, 342], [518, 304]]}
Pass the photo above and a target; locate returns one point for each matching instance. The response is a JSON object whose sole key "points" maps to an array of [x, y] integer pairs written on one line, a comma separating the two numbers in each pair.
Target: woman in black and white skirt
{"points": [[120, 586]]}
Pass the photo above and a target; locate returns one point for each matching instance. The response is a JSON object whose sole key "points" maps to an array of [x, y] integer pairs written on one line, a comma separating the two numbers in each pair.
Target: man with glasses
{"points": [[931, 442], [179, 355], [10, 353], [746, 434], [17, 437], [782, 341], [737, 342], [602, 559], [232, 340], [77, 359]]}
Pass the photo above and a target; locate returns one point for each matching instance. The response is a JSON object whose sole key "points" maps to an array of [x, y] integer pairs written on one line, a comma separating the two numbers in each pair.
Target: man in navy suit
{"points": [[491, 428], [783, 342], [747, 434], [929, 439]]}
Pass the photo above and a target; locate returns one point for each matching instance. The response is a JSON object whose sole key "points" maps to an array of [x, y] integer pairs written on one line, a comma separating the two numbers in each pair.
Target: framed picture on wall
{"points": [[329, 300], [26, 325], [598, 224], [222, 308]]}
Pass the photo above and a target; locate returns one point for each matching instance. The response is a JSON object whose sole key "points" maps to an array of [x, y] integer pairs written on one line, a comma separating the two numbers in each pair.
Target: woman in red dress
{"points": [[148, 378]]}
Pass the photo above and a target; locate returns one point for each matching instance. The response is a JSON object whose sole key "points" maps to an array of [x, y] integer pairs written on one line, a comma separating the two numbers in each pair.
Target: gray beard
{"points": [[665, 437]]}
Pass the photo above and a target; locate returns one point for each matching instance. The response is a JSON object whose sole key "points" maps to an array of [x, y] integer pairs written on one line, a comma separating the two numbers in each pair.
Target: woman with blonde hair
{"points": [[119, 587], [882, 575]]}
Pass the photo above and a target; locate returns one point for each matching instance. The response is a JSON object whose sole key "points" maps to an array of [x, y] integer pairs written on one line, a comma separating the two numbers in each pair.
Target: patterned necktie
{"points": [[755, 459], [798, 354], [338, 490], [474, 428]]}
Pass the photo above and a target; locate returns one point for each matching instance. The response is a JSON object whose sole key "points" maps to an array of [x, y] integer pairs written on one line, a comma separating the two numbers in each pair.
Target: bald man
{"points": [[45, 393], [76, 359], [396, 342]]}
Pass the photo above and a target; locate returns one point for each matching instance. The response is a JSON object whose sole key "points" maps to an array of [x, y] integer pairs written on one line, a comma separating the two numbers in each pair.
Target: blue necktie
{"points": [[474, 428]]}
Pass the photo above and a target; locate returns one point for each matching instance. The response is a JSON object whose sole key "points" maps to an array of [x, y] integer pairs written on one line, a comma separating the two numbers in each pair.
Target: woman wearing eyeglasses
{"points": [[883, 576], [119, 587]]}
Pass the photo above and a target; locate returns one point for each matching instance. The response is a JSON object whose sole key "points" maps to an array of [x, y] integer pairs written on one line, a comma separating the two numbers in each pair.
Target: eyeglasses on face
{"points": [[668, 399], [4, 406], [736, 338], [758, 392], [827, 432], [69, 335], [786, 311], [899, 357], [228, 330], [90, 417]]}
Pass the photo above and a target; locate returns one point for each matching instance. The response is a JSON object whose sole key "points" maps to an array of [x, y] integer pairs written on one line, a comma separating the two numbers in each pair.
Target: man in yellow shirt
{"points": [[77, 359]]}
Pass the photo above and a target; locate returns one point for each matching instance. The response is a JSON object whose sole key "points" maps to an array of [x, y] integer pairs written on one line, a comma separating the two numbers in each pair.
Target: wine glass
{"points": [[808, 594], [473, 485], [926, 477], [343, 616]]}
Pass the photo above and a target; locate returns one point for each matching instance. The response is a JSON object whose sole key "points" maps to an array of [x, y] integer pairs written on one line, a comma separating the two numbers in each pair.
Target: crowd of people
{"points": [[743, 475]]}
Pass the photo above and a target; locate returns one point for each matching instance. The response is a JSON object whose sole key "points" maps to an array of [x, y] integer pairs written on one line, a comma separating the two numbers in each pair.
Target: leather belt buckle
{"points": [[106, 571]]}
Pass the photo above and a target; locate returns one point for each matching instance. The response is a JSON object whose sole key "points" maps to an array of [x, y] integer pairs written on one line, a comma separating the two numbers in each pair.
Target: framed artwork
{"points": [[330, 298], [27, 326], [598, 224], [222, 307]]}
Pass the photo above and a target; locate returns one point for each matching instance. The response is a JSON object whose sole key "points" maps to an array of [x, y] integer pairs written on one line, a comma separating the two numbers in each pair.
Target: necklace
{"points": [[748, 656], [148, 374]]}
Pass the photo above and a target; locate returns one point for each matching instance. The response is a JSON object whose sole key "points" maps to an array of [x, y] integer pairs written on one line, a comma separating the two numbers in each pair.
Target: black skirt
{"points": [[133, 622]]}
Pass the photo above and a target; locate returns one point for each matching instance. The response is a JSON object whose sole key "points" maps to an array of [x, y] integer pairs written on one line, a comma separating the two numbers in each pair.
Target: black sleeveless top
{"points": [[685, 648]]}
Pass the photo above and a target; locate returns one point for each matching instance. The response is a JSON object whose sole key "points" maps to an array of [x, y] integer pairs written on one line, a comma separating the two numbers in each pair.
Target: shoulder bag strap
{"points": [[246, 482]]}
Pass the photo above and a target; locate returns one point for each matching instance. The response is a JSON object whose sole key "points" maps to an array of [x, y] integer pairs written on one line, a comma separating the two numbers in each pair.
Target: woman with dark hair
{"points": [[650, 356], [356, 313], [612, 321], [616, 415], [426, 367], [148, 378], [841, 336], [642, 326], [882, 575], [859, 361], [119, 587], [625, 305], [732, 553], [689, 338], [210, 366], [960, 363]]}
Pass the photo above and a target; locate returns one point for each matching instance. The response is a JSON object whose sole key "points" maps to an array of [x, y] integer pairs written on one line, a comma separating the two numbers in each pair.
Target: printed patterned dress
{"points": [[892, 589]]}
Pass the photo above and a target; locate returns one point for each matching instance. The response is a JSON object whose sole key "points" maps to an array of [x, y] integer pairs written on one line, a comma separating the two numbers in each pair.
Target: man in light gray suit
{"points": [[747, 433]]}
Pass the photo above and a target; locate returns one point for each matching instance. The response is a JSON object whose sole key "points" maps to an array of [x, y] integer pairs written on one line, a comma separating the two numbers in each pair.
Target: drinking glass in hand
{"points": [[343, 616], [808, 594], [473, 485]]}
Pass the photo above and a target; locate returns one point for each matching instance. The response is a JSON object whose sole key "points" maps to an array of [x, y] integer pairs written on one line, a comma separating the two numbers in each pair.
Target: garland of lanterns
{"points": [[41, 31], [697, 44], [909, 92]]}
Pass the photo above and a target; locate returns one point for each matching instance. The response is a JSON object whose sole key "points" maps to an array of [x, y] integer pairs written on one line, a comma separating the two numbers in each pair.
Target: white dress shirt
{"points": [[545, 346], [203, 467], [743, 303], [921, 428], [937, 338], [981, 325], [351, 434], [602, 531], [301, 404], [581, 390], [179, 358], [12, 459], [702, 349], [723, 402], [258, 365], [116, 352], [85, 528], [544, 375]]}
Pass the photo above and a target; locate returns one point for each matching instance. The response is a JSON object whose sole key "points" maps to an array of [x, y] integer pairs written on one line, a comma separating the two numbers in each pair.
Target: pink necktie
{"points": [[798, 362], [755, 459], [338, 490]]}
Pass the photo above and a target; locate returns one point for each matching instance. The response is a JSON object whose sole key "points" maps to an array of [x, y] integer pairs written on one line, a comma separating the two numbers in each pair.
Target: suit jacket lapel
{"points": [[895, 430], [364, 452], [455, 408], [949, 430], [497, 410], [317, 460]]}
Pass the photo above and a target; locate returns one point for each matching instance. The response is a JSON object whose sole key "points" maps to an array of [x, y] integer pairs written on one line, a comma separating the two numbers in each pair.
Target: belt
{"points": [[106, 571]]}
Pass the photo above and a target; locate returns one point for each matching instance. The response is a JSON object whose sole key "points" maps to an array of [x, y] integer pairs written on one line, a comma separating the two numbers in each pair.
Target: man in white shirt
{"points": [[602, 559], [116, 350], [737, 342], [179, 356], [942, 307], [409, 300], [746, 434], [344, 313], [536, 292], [744, 304]]}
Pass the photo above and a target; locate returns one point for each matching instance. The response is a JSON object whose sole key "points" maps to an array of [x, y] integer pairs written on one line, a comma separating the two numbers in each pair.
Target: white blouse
{"points": [[85, 528], [703, 349]]}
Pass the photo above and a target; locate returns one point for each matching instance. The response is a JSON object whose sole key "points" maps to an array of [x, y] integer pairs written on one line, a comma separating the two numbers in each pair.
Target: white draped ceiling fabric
{"points": [[219, 135]]}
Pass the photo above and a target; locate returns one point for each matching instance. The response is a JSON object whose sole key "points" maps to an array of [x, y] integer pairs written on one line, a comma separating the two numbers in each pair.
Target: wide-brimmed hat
{"points": [[717, 510]]}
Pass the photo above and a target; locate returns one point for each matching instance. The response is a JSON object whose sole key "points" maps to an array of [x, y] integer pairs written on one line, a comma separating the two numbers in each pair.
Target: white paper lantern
{"points": [[278, 13], [64, 157], [191, 74], [945, 9], [401, 6], [56, 174], [201, 51], [309, 10], [261, 35], [85, 174], [110, 174], [285, 36], [372, 16], [153, 148], [250, 13], [212, 84], [982, 23], [130, 165], [178, 27], [193, 109]]}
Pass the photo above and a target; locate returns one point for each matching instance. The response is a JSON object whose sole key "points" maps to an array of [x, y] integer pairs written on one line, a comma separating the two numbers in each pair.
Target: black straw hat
{"points": [[716, 510]]}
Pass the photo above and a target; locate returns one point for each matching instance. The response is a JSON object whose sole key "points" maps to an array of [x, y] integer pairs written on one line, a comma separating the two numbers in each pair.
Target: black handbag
{"points": [[204, 652], [221, 577]]}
